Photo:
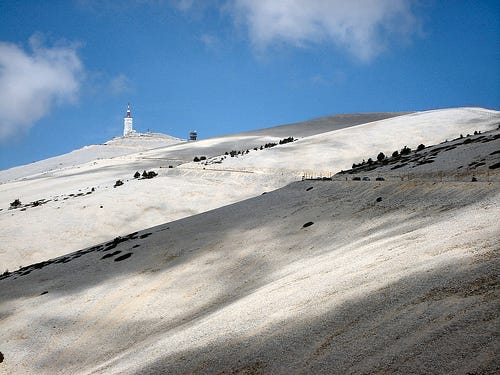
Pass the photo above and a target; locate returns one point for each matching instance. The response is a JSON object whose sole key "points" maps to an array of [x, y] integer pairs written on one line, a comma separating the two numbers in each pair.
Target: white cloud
{"points": [[31, 83], [363, 27], [120, 85]]}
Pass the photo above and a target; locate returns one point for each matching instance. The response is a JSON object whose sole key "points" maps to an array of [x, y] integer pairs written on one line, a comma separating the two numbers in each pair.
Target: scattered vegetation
{"points": [[405, 151], [283, 141], [109, 255], [495, 166], [149, 174], [118, 183], [403, 157], [15, 204], [123, 257], [287, 140]]}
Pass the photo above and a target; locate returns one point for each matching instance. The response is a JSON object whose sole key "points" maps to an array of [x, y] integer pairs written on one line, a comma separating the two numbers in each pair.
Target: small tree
{"points": [[395, 154], [137, 175], [405, 150], [420, 147], [380, 156], [15, 204]]}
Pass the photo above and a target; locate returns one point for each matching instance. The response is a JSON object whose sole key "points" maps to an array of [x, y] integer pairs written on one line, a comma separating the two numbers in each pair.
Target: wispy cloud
{"points": [[210, 41], [32, 82], [120, 85], [362, 27]]}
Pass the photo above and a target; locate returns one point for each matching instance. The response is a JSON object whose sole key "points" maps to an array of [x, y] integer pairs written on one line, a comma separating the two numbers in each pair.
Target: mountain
{"points": [[198, 271]]}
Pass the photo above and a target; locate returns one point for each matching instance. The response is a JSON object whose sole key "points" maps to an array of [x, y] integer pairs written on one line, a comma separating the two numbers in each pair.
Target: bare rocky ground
{"points": [[394, 276]]}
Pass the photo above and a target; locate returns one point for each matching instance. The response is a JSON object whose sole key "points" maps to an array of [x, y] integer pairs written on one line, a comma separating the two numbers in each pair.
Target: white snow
{"points": [[69, 223], [404, 284]]}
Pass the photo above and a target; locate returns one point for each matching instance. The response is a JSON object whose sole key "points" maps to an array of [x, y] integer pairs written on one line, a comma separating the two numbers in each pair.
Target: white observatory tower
{"points": [[127, 123]]}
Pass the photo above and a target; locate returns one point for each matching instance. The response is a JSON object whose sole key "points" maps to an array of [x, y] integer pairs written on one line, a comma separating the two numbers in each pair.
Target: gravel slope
{"points": [[406, 284]]}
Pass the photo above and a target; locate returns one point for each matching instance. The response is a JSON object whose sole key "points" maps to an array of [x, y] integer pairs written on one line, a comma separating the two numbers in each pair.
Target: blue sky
{"points": [[69, 67]]}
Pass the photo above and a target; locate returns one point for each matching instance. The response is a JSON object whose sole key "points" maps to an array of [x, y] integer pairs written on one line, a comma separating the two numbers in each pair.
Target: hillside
{"points": [[248, 268], [76, 205], [315, 277]]}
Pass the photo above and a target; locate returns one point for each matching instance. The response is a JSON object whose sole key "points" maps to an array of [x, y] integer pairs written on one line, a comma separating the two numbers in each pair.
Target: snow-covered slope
{"points": [[118, 146], [78, 205], [317, 277], [314, 277], [337, 150]]}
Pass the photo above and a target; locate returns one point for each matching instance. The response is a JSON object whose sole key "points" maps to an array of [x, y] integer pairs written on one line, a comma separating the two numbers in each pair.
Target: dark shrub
{"points": [[420, 147], [118, 183], [15, 204], [380, 156], [357, 178], [123, 257], [370, 161], [196, 159], [405, 150], [150, 174], [286, 140], [395, 154], [137, 175], [203, 158]]}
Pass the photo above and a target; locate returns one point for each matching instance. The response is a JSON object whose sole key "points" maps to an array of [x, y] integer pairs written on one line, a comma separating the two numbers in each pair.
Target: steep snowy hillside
{"points": [[316, 277], [337, 150], [394, 276], [466, 158], [75, 203]]}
